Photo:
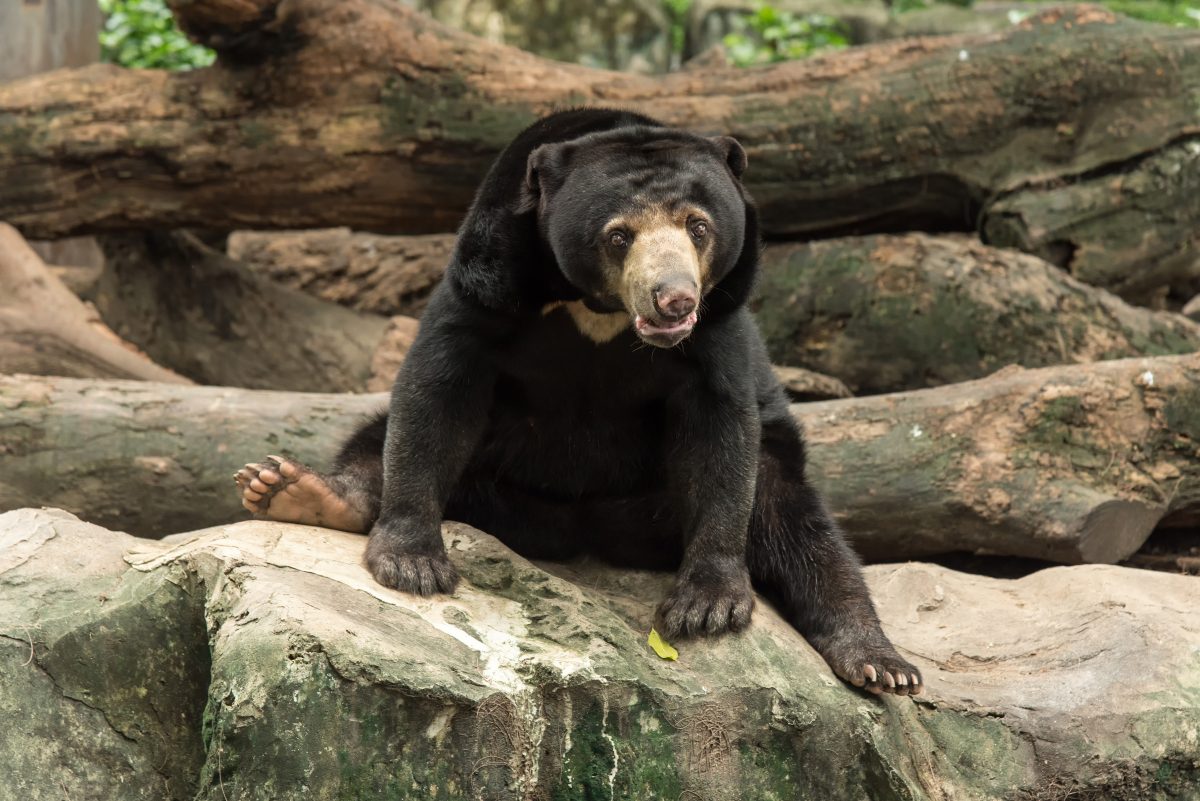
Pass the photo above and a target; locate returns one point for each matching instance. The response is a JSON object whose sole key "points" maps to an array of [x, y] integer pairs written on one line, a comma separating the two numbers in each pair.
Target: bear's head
{"points": [[646, 221]]}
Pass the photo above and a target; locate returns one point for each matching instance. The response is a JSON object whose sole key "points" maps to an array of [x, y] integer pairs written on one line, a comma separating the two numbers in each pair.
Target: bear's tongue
{"points": [[647, 326]]}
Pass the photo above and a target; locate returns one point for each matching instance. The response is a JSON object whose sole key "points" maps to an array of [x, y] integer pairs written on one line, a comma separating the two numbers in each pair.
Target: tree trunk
{"points": [[364, 113], [1071, 464], [203, 314], [47, 34], [41, 36], [46, 330], [888, 313]]}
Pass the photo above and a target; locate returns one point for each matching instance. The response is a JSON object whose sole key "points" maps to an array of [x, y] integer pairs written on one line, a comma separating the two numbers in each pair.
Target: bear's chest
{"points": [[567, 366], [573, 417]]}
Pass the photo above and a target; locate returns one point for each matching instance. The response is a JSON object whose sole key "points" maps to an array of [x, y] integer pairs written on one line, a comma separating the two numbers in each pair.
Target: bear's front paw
{"points": [[713, 605], [423, 572]]}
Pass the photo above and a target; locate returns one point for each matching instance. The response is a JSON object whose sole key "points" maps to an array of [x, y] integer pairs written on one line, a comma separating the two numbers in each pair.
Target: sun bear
{"points": [[587, 378]]}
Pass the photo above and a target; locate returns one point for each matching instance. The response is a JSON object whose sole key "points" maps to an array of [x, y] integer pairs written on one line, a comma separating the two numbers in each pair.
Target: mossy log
{"points": [[887, 313], [1071, 464], [364, 113], [208, 317]]}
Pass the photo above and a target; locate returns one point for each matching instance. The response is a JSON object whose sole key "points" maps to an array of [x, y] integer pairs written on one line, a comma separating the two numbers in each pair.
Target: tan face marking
{"points": [[662, 250], [599, 328]]}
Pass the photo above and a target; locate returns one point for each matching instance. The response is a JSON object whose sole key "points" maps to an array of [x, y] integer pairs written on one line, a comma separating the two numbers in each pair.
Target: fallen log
{"points": [[1070, 464], [373, 273], [882, 313], [888, 313], [46, 330], [364, 113], [1135, 231], [208, 317]]}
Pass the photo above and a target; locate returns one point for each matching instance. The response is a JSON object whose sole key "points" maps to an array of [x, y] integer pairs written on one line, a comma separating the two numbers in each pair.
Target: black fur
{"points": [[507, 418]]}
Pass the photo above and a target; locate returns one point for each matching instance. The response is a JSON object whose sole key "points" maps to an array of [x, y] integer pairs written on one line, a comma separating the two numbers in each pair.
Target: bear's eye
{"points": [[699, 230], [618, 239]]}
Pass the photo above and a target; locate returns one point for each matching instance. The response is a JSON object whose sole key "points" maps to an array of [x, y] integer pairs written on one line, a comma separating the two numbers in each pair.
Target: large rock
{"points": [[260, 661]]}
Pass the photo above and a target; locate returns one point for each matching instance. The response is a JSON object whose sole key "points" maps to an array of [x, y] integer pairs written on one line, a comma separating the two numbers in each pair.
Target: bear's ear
{"points": [[543, 169], [735, 154]]}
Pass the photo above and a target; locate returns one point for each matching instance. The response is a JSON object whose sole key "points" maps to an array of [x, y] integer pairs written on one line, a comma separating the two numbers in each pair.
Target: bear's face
{"points": [[642, 221]]}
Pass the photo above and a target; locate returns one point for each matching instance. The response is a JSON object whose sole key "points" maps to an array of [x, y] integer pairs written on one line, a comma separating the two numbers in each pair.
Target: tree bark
{"points": [[1146, 214], [887, 313], [803, 385], [42, 36], [206, 316], [363, 113], [46, 330], [382, 274], [1070, 464]]}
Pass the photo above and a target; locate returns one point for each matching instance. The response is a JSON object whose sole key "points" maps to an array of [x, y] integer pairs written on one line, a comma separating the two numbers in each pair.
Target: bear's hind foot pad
{"points": [[280, 489]]}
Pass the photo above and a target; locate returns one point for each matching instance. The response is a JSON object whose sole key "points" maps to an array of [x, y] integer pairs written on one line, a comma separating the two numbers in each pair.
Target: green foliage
{"points": [[142, 33], [1168, 12], [1185, 13], [677, 11], [773, 35]]}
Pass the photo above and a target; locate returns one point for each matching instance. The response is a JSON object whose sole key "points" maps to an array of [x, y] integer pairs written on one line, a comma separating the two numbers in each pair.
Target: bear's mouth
{"points": [[665, 333]]}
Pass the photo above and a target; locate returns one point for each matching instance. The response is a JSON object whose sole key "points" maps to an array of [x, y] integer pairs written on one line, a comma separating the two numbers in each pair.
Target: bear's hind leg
{"points": [[798, 557], [346, 499]]}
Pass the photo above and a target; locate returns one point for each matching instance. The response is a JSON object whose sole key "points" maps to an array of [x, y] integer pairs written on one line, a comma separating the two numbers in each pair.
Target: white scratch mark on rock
{"points": [[612, 774], [916, 431], [441, 721]]}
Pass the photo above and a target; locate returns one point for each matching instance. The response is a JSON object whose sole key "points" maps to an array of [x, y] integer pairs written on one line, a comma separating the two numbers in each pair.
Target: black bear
{"points": [[587, 378]]}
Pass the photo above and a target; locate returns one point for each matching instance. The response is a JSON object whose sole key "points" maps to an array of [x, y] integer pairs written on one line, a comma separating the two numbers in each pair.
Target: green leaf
{"points": [[142, 34]]}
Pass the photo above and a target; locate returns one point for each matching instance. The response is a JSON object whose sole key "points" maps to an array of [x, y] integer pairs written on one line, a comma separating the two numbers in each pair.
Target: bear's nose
{"points": [[674, 302]]}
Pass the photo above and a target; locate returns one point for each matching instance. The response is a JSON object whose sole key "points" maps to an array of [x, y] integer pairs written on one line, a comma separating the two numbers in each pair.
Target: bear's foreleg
{"points": [[799, 558], [438, 414], [711, 475]]}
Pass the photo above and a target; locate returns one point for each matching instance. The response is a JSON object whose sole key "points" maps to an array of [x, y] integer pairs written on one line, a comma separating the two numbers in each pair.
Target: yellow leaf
{"points": [[661, 646]]}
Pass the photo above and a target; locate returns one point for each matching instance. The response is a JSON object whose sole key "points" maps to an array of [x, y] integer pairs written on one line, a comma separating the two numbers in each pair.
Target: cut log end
{"points": [[1115, 530]]}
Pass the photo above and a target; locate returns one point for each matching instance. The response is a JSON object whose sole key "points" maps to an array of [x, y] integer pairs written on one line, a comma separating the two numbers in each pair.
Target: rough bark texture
{"points": [[1145, 215], [1071, 464], [46, 330], [381, 274], [210, 318], [260, 661], [805, 385], [364, 113], [145, 459], [887, 313]]}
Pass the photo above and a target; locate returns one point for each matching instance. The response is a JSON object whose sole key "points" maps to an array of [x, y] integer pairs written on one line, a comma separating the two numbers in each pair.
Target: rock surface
{"points": [[260, 661]]}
